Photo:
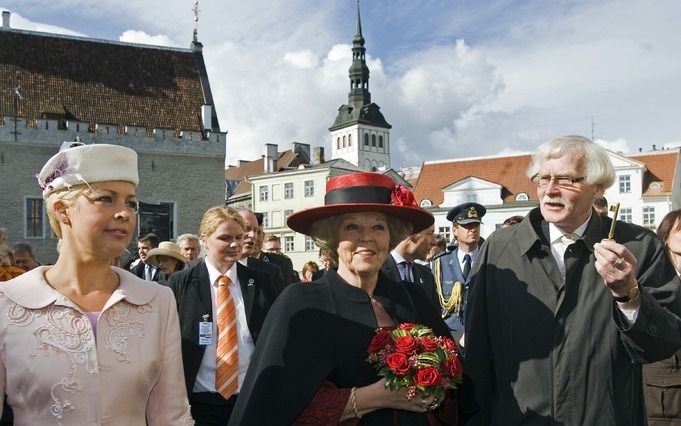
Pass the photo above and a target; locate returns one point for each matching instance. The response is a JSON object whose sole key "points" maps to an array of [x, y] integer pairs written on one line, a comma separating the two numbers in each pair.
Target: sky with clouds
{"points": [[455, 78]]}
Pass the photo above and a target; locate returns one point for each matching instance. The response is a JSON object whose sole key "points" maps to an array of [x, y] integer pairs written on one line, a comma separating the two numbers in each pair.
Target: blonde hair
{"points": [[325, 231], [214, 216], [68, 197]]}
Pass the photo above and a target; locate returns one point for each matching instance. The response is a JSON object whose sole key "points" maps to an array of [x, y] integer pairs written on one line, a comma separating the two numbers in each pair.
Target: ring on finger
{"points": [[433, 405], [618, 262]]}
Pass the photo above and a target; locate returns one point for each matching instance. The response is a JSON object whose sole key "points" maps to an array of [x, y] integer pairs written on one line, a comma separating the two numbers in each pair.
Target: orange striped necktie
{"points": [[227, 360]]}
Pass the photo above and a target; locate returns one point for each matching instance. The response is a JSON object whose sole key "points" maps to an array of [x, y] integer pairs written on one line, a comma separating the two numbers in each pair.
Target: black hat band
{"points": [[358, 195]]}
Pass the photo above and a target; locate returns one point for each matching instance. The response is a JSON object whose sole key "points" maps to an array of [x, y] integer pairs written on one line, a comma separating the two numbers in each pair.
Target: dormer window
{"points": [[522, 197], [426, 203]]}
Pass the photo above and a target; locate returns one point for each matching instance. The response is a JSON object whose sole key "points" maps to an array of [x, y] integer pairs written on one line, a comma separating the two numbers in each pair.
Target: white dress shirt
{"points": [[205, 379], [558, 248], [460, 254]]}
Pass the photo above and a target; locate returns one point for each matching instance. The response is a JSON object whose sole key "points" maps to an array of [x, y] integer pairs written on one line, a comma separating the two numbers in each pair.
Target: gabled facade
{"points": [[645, 186], [154, 100], [278, 195], [237, 183]]}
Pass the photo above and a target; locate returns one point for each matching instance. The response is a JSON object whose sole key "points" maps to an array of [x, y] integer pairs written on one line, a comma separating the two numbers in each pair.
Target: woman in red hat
{"points": [[309, 365]]}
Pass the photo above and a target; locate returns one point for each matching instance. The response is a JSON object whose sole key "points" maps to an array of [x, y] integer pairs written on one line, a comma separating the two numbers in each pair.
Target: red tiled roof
{"points": [[508, 171], [257, 167], [661, 167], [95, 81]]}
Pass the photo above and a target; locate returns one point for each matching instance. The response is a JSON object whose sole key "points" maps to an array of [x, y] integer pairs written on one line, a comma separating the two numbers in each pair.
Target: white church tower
{"points": [[360, 134]]}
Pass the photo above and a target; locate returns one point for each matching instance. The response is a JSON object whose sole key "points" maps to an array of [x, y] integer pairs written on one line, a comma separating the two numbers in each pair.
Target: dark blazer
{"points": [[192, 293], [139, 271], [271, 270], [422, 276], [284, 263]]}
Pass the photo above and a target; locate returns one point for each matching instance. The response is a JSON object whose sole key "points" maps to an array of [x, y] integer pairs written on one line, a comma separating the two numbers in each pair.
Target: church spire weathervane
{"points": [[196, 11], [358, 34], [359, 72]]}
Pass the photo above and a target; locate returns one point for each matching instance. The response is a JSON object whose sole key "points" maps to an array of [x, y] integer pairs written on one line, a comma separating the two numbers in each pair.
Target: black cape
{"points": [[321, 330]]}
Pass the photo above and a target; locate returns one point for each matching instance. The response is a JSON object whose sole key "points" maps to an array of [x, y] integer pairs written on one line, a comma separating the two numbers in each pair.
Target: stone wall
{"points": [[187, 171]]}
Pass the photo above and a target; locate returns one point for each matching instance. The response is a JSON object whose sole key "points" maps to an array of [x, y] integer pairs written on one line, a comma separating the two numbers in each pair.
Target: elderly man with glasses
{"points": [[561, 315]]}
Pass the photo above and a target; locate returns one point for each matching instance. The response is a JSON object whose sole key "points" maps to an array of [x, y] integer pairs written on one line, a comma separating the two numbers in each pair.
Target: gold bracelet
{"points": [[353, 399]]}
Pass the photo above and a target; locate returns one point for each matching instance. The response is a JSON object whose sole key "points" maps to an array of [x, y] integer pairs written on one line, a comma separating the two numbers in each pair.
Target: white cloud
{"points": [[17, 21], [617, 145], [302, 59], [134, 36], [279, 69]]}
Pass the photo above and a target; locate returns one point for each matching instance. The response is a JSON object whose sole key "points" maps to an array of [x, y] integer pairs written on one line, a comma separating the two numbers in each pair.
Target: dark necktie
{"points": [[406, 271], [466, 266]]}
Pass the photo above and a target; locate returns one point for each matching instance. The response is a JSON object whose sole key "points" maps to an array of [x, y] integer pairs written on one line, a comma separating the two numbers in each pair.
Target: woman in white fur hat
{"points": [[83, 342]]}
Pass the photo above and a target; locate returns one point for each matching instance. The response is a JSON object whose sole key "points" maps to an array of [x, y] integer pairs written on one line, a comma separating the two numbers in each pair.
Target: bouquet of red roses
{"points": [[412, 356]]}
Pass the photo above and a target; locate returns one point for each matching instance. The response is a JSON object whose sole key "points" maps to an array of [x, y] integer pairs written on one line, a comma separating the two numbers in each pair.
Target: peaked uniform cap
{"points": [[363, 192], [466, 213]]}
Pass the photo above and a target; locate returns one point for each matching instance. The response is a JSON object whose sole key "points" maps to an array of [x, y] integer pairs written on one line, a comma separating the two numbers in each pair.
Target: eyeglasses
{"points": [[542, 181]]}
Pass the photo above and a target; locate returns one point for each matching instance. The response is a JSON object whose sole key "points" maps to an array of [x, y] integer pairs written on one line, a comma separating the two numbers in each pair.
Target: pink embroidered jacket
{"points": [[55, 371]]}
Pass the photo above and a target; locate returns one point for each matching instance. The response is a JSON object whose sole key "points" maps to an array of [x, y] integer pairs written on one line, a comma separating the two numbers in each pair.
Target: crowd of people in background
{"points": [[562, 316]]}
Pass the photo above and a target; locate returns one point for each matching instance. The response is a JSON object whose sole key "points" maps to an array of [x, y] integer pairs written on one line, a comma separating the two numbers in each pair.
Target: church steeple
{"points": [[359, 72], [360, 134]]}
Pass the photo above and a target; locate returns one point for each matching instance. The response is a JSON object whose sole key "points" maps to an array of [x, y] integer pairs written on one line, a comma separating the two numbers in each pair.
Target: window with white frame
{"points": [[264, 193], [625, 214], [445, 231], [265, 220], [625, 183], [309, 244], [289, 245], [34, 218], [309, 188], [287, 213], [288, 190], [471, 198], [426, 203], [648, 216], [522, 197]]}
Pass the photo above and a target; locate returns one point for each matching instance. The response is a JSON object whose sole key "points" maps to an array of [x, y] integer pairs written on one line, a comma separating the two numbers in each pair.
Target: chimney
{"points": [[317, 155], [303, 148], [5, 19], [654, 148], [271, 156], [207, 117]]}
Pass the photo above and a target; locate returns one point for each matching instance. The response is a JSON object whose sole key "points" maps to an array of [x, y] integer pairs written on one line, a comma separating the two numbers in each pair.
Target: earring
{"points": [[66, 220]]}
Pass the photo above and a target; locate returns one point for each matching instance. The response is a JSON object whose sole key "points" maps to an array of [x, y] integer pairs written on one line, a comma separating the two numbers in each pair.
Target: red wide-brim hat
{"points": [[363, 192]]}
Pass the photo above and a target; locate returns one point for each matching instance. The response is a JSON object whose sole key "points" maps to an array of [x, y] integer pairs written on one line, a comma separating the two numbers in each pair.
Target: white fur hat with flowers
{"points": [[79, 164]]}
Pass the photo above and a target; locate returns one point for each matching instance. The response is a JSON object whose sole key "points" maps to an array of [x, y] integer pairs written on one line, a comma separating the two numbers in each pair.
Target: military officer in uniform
{"points": [[452, 270]]}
